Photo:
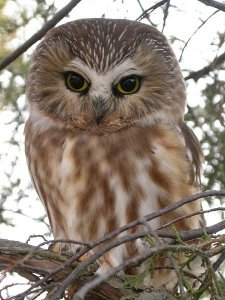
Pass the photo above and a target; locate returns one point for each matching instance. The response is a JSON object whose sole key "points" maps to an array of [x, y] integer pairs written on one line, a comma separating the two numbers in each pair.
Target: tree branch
{"points": [[43, 262], [215, 4], [56, 273], [142, 8], [166, 11], [196, 75], [150, 10], [39, 34], [192, 35]]}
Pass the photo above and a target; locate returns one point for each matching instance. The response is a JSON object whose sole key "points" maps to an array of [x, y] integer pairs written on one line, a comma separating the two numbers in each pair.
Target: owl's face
{"points": [[104, 75]]}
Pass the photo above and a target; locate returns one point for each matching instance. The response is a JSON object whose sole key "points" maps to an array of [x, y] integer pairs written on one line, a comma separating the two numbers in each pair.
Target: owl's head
{"points": [[104, 75]]}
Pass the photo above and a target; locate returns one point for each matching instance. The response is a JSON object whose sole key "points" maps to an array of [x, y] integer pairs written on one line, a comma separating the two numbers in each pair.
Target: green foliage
{"points": [[212, 283], [210, 119], [135, 281], [221, 284], [214, 114]]}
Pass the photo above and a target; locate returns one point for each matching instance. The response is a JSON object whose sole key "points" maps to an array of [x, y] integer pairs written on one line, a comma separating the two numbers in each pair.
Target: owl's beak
{"points": [[100, 106]]}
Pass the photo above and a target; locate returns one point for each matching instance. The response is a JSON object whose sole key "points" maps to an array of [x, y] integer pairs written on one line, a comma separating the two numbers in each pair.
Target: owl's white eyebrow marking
{"points": [[113, 74], [79, 66], [102, 82]]}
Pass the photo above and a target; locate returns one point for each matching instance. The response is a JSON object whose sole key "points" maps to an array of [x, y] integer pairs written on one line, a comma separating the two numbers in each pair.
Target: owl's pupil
{"points": [[77, 81], [128, 84]]}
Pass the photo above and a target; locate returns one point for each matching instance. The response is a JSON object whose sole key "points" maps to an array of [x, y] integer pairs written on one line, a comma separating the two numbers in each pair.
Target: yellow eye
{"points": [[128, 85], [76, 83]]}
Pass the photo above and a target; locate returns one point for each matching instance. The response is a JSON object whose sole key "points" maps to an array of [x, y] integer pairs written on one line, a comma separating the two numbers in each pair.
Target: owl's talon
{"points": [[59, 248], [56, 248]]}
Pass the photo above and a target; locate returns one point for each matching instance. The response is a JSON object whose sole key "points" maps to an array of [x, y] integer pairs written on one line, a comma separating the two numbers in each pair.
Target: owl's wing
{"points": [[194, 153]]}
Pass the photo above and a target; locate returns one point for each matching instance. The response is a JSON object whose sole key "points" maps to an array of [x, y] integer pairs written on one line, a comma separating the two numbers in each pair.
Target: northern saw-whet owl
{"points": [[106, 141]]}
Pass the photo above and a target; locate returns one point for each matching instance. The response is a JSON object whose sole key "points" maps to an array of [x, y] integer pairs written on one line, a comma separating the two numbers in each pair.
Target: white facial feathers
{"points": [[102, 82]]}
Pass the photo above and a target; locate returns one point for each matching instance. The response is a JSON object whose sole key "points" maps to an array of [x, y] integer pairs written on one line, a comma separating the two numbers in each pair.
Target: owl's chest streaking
{"points": [[91, 184]]}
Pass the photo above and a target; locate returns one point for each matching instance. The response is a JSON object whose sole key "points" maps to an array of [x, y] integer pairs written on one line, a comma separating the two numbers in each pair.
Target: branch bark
{"points": [[39, 34]]}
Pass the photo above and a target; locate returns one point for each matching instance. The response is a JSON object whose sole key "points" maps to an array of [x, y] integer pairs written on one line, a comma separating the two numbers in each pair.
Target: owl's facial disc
{"points": [[100, 93], [104, 75]]}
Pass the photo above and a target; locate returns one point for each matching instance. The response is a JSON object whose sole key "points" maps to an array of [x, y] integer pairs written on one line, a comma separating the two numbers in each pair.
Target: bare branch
{"points": [[151, 9], [39, 34], [43, 262], [52, 268], [199, 212], [160, 242], [133, 262], [219, 261], [137, 260], [193, 34], [196, 75], [166, 11], [215, 4], [190, 234], [142, 8]]}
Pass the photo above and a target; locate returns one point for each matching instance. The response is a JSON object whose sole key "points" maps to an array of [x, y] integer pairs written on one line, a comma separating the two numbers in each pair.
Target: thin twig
{"points": [[193, 34], [166, 11], [187, 235], [105, 248], [151, 9], [36, 236], [191, 234], [137, 260], [171, 259], [39, 34], [108, 237], [199, 212], [210, 229], [143, 10]]}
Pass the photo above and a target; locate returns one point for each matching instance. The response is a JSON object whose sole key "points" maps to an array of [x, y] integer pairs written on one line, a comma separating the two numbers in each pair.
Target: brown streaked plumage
{"points": [[110, 144]]}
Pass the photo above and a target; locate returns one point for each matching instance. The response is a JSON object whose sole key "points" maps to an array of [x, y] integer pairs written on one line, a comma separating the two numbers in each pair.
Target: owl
{"points": [[106, 141]]}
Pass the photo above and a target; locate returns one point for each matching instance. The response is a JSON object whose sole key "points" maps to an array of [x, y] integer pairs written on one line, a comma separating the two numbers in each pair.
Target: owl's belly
{"points": [[100, 195], [91, 185]]}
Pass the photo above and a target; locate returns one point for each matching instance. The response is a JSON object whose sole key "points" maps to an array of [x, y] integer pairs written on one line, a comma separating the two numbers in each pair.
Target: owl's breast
{"points": [[111, 180], [92, 184], [107, 185]]}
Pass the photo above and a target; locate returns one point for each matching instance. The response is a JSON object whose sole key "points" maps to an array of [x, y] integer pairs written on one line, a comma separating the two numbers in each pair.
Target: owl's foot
{"points": [[56, 248], [59, 248]]}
